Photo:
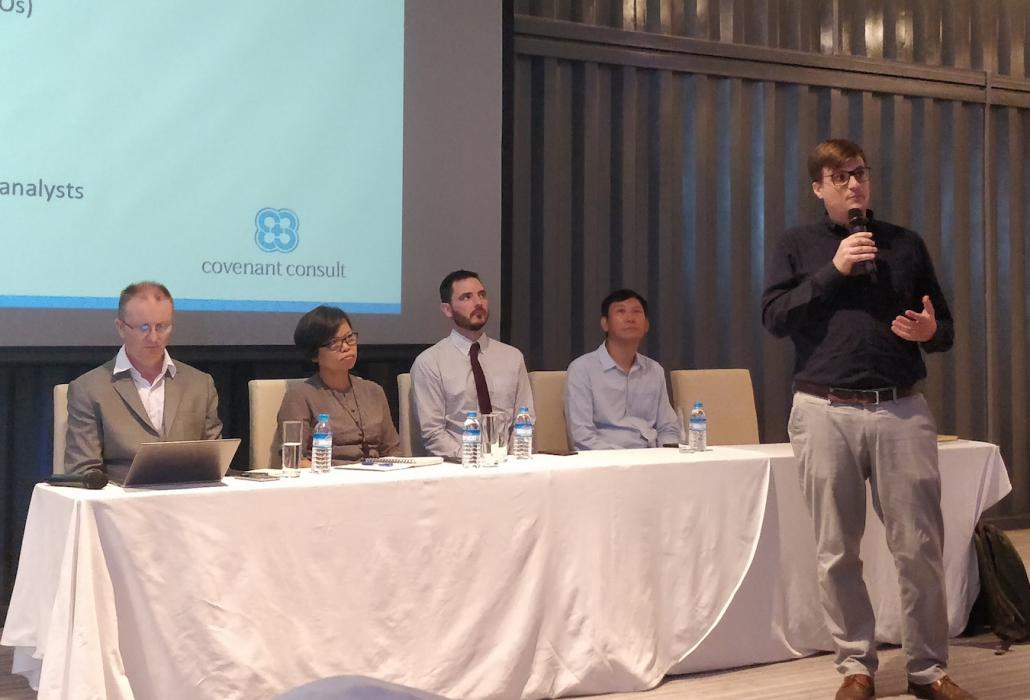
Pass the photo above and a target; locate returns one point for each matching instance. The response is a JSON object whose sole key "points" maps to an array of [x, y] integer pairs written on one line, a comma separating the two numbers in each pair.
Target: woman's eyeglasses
{"points": [[337, 344]]}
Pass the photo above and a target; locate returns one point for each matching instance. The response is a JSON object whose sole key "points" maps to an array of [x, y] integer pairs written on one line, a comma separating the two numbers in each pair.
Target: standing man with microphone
{"points": [[860, 301]]}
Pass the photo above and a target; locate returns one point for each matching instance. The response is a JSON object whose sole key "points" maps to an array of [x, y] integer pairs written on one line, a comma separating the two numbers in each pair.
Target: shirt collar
{"points": [[316, 381], [464, 344], [607, 362], [123, 364]]}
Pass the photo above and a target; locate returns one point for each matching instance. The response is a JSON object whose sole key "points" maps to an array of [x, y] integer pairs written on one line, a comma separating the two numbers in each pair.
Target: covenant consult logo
{"points": [[276, 233], [277, 230]]}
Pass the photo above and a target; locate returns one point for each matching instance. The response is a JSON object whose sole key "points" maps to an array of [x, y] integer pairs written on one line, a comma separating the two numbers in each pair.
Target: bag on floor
{"points": [[1004, 600]]}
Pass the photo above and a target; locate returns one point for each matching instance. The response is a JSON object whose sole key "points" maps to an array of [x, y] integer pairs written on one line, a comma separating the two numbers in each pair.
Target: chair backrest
{"points": [[60, 425], [266, 395], [729, 401], [550, 433], [410, 433]]}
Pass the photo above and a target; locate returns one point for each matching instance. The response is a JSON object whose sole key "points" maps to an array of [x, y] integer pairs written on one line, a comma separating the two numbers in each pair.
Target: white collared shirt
{"points": [[151, 394]]}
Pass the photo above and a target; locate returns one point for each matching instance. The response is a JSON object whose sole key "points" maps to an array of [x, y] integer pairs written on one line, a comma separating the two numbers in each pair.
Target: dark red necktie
{"points": [[482, 391]]}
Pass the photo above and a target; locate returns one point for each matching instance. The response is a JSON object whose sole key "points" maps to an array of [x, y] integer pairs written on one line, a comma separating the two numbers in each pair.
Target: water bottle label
{"points": [[470, 437], [524, 431], [697, 437], [322, 441]]}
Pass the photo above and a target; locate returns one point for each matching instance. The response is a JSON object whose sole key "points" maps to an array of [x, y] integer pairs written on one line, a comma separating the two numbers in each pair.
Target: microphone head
{"points": [[855, 214], [94, 479]]}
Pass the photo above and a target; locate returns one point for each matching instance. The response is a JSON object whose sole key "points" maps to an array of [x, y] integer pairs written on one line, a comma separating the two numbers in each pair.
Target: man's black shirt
{"points": [[841, 325]]}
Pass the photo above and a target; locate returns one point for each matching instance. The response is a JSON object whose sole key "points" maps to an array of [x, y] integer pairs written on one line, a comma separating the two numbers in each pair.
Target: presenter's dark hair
{"points": [[622, 295], [447, 286], [142, 289], [832, 154], [317, 327]]}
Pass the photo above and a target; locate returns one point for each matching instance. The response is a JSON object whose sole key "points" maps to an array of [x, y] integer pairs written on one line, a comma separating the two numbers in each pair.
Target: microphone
{"points": [[856, 224], [90, 479]]}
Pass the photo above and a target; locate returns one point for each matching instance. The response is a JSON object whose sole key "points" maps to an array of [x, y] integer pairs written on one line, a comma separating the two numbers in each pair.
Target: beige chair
{"points": [[60, 425], [729, 401], [550, 433], [410, 433], [266, 395]]}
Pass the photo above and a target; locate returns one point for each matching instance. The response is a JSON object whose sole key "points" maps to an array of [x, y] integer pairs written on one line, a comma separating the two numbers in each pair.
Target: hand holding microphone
{"points": [[856, 253]]}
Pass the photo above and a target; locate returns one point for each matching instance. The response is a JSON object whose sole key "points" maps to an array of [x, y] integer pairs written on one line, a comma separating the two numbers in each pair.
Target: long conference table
{"points": [[593, 573]]}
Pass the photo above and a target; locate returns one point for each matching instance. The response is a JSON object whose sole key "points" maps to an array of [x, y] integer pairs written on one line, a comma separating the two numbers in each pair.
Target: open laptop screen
{"points": [[180, 462]]}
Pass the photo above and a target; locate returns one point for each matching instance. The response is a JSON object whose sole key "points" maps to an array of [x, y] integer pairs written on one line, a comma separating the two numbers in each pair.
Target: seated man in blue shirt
{"points": [[614, 396]]}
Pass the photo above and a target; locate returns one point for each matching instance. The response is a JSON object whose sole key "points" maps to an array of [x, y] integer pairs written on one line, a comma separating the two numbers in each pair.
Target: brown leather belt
{"points": [[858, 397]]}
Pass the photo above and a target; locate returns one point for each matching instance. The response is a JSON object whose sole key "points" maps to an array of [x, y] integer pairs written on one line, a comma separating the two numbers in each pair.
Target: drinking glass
{"points": [[494, 428], [684, 426], [293, 441]]}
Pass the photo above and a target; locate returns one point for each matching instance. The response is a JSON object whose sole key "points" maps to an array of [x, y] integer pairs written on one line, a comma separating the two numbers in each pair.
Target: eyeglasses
{"points": [[336, 344], [841, 178], [145, 328]]}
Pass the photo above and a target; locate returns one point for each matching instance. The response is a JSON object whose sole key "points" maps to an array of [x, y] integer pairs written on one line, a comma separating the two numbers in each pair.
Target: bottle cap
{"points": [[523, 409], [471, 414], [323, 417], [698, 404]]}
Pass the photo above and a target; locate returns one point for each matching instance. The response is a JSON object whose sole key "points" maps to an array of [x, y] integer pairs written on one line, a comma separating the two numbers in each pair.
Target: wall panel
{"points": [[966, 34]]}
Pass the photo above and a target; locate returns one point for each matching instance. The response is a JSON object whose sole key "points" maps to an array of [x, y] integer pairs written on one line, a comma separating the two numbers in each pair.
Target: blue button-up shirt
{"points": [[606, 408]]}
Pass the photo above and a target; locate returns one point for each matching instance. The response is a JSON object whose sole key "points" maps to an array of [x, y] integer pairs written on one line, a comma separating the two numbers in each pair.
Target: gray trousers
{"points": [[894, 446]]}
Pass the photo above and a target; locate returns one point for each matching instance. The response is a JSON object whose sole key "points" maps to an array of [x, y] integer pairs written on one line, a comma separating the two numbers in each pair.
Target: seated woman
{"points": [[357, 408]]}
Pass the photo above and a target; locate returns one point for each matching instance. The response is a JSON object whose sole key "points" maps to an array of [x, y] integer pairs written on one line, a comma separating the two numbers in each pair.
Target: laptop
{"points": [[181, 462]]}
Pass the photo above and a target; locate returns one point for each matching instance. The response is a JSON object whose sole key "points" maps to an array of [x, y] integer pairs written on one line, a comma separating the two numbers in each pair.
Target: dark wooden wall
{"points": [[660, 145]]}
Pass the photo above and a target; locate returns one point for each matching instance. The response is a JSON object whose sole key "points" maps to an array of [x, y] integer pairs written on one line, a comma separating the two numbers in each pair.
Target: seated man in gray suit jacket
{"points": [[142, 395]]}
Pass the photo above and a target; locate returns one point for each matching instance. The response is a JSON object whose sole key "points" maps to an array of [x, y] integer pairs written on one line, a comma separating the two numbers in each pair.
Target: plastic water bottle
{"points": [[522, 439], [697, 432], [470, 441], [322, 445]]}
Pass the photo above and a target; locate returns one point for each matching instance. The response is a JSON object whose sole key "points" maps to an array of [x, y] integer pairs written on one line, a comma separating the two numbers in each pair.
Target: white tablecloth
{"points": [[596, 573], [569, 575], [782, 586]]}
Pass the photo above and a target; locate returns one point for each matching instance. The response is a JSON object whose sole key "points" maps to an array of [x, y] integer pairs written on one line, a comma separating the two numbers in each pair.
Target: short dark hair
{"points": [[447, 286], [317, 327], [622, 295], [832, 154], [142, 289]]}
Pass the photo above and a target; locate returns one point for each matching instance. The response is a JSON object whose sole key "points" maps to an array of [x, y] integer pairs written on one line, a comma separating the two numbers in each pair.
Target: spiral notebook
{"points": [[390, 464]]}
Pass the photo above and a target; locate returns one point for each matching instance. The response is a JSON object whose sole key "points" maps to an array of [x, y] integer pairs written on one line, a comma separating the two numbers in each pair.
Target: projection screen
{"points": [[258, 158]]}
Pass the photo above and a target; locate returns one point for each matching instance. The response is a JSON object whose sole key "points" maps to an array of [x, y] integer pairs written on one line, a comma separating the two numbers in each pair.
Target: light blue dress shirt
{"points": [[606, 408]]}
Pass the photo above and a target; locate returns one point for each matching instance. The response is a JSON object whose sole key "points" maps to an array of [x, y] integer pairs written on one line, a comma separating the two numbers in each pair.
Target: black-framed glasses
{"points": [[841, 178], [337, 344], [145, 328]]}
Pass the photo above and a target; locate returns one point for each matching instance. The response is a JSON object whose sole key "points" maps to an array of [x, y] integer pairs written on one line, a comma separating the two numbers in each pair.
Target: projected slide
{"points": [[247, 154]]}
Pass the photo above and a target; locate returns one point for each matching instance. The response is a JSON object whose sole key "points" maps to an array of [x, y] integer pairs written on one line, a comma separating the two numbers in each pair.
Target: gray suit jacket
{"points": [[107, 421]]}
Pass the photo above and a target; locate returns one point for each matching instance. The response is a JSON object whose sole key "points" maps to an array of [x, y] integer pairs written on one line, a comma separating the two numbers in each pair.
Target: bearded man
{"points": [[466, 371]]}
